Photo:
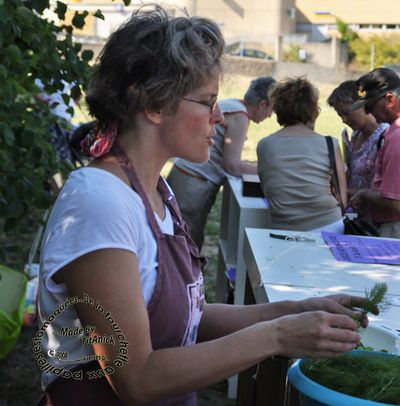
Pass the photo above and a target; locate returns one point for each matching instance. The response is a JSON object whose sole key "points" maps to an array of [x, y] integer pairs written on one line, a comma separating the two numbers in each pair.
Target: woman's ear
{"points": [[154, 117], [391, 99], [262, 104]]}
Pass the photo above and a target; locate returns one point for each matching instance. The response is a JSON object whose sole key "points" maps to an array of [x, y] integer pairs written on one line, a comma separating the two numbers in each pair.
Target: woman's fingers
{"points": [[338, 304], [347, 303], [334, 307], [316, 334], [359, 302], [340, 321]]}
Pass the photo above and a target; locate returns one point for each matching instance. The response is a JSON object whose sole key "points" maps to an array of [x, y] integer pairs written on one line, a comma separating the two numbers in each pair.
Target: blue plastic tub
{"points": [[313, 394]]}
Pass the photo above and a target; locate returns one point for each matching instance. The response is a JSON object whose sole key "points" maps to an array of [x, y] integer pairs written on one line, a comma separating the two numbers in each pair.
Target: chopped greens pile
{"points": [[366, 376]]}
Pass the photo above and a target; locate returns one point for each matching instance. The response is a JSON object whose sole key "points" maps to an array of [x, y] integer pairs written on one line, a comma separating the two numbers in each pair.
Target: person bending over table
{"points": [[294, 164], [196, 185], [121, 285], [362, 147]]}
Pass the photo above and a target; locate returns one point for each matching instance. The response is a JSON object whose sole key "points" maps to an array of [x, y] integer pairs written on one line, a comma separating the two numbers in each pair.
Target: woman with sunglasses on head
{"points": [[121, 288], [362, 147]]}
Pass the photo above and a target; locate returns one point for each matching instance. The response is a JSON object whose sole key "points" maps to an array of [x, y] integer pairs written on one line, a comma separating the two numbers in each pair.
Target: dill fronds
{"points": [[376, 298], [374, 378]]}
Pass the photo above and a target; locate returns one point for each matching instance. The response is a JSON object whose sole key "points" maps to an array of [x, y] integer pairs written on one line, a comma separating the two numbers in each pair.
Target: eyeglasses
{"points": [[210, 104]]}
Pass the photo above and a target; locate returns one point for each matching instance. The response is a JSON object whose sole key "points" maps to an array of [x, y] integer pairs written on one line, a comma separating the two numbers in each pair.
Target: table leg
{"points": [[265, 384]]}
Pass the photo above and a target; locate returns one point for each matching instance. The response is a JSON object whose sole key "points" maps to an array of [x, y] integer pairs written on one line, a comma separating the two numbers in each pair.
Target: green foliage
{"points": [[346, 34], [367, 376], [364, 375], [33, 47], [292, 54], [386, 50], [376, 298]]}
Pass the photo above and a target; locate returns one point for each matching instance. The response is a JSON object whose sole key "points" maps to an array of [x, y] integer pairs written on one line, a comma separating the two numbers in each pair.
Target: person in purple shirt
{"points": [[361, 149]]}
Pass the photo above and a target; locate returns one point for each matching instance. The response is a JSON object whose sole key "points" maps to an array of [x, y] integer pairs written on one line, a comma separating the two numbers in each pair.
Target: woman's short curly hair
{"points": [[295, 101], [151, 61]]}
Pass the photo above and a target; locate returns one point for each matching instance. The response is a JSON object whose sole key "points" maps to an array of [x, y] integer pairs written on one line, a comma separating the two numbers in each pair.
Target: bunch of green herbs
{"points": [[376, 299], [367, 376]]}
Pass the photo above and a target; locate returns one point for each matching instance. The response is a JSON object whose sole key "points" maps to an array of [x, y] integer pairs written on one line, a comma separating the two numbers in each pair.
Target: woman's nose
{"points": [[217, 117]]}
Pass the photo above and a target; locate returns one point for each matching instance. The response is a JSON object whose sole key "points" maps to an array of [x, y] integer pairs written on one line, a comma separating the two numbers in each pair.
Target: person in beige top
{"points": [[294, 165]]}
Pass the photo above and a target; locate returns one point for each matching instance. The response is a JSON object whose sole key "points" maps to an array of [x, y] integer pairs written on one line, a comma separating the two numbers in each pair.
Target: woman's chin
{"points": [[200, 159]]}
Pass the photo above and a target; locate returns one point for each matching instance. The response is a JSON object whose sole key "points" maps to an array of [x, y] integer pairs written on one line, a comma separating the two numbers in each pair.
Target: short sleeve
{"points": [[390, 184], [88, 218]]}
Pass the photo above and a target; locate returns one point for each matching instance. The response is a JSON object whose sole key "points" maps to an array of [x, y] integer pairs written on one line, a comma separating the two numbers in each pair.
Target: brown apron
{"points": [[174, 310]]}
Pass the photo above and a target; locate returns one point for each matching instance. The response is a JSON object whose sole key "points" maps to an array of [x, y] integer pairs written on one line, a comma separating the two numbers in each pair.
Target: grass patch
{"points": [[210, 249]]}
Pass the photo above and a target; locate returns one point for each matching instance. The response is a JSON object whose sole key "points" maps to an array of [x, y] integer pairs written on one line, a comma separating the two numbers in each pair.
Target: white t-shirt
{"points": [[95, 210]]}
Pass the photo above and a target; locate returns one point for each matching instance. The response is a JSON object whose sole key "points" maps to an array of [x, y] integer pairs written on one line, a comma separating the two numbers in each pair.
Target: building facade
{"points": [[260, 20], [317, 18], [248, 20], [272, 26]]}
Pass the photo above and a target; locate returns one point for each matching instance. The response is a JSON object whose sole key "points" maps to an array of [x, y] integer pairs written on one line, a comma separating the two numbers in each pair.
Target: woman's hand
{"points": [[358, 200], [339, 304], [314, 334]]}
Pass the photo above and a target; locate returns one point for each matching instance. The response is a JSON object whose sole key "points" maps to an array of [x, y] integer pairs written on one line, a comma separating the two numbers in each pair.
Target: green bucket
{"points": [[12, 301]]}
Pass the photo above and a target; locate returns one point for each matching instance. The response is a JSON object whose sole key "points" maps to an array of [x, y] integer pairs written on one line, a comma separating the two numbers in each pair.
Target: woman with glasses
{"points": [[196, 185], [362, 147], [123, 315]]}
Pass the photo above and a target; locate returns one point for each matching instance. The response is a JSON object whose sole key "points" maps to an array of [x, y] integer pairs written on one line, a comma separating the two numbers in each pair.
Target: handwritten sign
{"points": [[351, 248]]}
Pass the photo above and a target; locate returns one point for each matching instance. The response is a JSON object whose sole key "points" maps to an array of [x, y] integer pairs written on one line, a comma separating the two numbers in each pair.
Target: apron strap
{"points": [[167, 197], [170, 200], [130, 172]]}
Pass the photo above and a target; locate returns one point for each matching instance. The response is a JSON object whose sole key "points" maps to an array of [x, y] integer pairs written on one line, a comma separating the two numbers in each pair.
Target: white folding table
{"points": [[288, 270], [237, 212]]}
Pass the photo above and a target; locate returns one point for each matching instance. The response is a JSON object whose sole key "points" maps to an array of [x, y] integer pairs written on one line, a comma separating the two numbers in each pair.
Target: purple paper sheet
{"points": [[351, 248]]}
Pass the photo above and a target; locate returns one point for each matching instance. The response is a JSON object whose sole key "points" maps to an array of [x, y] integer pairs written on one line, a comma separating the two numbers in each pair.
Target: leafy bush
{"points": [[346, 33], [33, 47], [387, 50], [292, 54]]}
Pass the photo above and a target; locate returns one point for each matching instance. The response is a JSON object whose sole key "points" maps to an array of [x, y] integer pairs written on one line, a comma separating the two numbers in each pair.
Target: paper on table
{"points": [[351, 248]]}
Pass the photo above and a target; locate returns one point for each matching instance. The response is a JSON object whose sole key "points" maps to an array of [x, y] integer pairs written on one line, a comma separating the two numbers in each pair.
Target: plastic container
{"points": [[314, 394], [12, 298], [31, 300], [381, 338]]}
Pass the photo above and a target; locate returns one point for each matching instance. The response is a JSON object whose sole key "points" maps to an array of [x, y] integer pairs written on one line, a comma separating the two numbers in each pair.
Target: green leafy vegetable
{"points": [[367, 376]]}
